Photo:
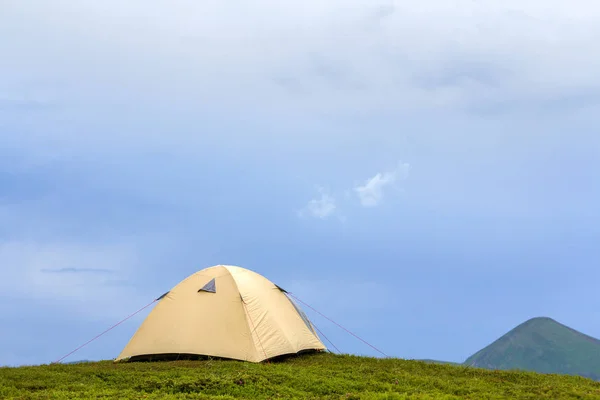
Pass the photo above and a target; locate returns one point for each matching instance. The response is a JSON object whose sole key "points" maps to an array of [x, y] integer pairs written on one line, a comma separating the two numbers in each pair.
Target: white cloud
{"points": [[282, 68], [322, 207], [371, 193], [289, 72], [345, 56]]}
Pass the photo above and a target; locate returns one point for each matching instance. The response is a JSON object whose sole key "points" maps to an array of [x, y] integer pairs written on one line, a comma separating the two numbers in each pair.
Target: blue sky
{"points": [[425, 173]]}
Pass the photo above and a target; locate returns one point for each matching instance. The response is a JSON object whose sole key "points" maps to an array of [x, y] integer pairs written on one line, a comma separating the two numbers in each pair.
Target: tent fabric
{"points": [[302, 315], [248, 318]]}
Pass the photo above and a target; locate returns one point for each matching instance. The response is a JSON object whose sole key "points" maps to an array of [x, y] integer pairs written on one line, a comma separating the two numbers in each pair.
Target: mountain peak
{"points": [[539, 321], [543, 319], [544, 345]]}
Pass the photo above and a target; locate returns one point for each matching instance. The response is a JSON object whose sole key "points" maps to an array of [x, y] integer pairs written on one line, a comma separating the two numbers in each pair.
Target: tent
{"points": [[227, 312]]}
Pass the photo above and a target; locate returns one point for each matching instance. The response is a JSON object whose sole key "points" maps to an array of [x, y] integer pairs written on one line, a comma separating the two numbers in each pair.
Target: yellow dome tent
{"points": [[226, 312]]}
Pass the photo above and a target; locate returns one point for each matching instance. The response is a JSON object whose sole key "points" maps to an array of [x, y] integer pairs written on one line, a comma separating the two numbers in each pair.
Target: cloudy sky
{"points": [[426, 173]]}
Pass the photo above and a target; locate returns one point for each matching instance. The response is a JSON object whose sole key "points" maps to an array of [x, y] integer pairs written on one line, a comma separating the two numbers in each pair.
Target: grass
{"points": [[318, 376]]}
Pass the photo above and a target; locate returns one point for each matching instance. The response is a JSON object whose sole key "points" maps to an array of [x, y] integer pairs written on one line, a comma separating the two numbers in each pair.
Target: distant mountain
{"points": [[542, 345], [438, 362]]}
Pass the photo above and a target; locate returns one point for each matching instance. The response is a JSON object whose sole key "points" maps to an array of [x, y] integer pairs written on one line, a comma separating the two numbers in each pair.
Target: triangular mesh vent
{"points": [[209, 287]]}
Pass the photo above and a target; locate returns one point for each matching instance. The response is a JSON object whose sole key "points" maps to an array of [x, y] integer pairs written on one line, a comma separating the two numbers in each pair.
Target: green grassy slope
{"points": [[319, 376], [542, 345]]}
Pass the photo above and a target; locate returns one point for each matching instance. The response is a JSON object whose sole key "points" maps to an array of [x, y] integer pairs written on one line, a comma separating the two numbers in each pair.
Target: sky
{"points": [[425, 173]]}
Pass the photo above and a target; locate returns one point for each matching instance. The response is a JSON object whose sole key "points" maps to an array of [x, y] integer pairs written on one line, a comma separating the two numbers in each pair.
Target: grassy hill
{"points": [[319, 376], [542, 345]]}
